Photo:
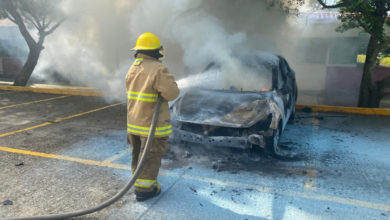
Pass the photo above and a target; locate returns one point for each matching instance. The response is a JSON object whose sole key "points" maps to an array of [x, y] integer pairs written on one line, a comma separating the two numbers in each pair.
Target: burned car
{"points": [[247, 111]]}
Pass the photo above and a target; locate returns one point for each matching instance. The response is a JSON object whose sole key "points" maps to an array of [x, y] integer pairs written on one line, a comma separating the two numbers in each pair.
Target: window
{"points": [[312, 50], [344, 50], [8, 48], [285, 67], [281, 75], [13, 48]]}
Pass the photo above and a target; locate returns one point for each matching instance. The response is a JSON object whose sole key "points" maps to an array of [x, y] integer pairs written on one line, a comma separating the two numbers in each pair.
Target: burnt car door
{"points": [[285, 87], [290, 85]]}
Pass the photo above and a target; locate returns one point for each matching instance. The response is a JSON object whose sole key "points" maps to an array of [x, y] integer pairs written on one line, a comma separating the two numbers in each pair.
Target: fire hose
{"points": [[121, 193]]}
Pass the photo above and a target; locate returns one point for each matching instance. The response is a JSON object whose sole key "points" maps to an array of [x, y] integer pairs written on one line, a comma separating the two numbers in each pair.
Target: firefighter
{"points": [[147, 78]]}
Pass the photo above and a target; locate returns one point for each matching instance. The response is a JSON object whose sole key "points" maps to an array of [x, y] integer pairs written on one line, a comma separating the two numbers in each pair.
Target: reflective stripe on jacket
{"points": [[147, 78]]}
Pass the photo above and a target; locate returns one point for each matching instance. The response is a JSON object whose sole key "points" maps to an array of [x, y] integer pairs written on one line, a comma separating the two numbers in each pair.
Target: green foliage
{"points": [[3, 13], [385, 62], [382, 60], [289, 7], [39, 13], [361, 59], [371, 15], [386, 51]]}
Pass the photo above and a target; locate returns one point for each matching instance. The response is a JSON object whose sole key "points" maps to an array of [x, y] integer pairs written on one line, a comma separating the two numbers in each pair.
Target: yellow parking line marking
{"points": [[56, 121], [59, 157], [259, 188], [84, 113], [25, 129], [116, 157], [28, 103]]}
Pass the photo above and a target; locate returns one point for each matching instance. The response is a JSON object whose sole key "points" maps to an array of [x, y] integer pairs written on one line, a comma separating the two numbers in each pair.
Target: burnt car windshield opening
{"points": [[244, 74]]}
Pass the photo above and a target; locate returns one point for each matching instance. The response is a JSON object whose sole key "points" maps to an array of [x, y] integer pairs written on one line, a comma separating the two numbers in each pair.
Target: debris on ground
{"points": [[237, 192], [319, 117], [215, 166], [170, 155], [307, 110], [200, 204], [190, 168], [19, 164], [194, 190], [8, 202], [187, 154], [249, 189]]}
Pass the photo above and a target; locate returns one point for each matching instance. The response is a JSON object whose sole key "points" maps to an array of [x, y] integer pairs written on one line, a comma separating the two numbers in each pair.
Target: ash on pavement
{"points": [[337, 167]]}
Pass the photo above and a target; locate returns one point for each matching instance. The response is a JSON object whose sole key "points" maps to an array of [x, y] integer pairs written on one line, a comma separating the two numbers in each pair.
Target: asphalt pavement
{"points": [[62, 153]]}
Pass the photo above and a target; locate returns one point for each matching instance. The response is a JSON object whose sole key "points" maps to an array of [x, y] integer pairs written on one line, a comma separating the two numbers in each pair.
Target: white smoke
{"points": [[93, 47]]}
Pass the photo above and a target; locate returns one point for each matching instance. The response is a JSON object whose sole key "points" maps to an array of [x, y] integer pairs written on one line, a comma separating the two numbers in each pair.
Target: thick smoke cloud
{"points": [[93, 47]]}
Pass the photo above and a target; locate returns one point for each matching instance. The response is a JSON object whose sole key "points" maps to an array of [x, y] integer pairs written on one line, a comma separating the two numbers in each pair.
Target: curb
{"points": [[349, 110], [53, 91]]}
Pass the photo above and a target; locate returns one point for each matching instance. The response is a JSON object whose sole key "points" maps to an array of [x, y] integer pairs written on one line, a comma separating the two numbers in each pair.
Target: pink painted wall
{"points": [[348, 78], [12, 66]]}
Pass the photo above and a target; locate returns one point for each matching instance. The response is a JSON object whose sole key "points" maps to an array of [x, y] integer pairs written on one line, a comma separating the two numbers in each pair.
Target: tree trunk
{"points": [[368, 96], [28, 67]]}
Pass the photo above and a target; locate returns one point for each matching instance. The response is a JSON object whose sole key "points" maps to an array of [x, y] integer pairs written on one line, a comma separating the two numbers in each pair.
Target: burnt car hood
{"points": [[223, 108]]}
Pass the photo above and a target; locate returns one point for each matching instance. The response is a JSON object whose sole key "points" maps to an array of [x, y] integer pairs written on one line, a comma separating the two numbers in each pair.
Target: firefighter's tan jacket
{"points": [[146, 78]]}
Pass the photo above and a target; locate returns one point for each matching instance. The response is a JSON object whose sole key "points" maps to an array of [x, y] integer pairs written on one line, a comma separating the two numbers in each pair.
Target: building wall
{"points": [[11, 46], [322, 47]]}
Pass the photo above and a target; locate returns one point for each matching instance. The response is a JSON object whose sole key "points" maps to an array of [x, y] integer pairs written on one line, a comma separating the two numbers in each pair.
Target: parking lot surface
{"points": [[61, 153]]}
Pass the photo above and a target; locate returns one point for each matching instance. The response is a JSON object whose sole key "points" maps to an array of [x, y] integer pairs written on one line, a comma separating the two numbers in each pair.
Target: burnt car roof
{"points": [[252, 59]]}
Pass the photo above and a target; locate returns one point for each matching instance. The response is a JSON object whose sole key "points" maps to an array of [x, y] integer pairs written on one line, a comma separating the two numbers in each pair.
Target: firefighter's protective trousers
{"points": [[147, 180]]}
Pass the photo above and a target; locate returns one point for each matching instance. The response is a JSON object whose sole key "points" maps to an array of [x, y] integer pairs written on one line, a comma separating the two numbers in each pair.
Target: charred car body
{"points": [[236, 117]]}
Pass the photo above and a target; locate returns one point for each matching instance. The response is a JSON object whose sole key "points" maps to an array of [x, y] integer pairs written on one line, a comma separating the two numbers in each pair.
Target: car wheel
{"points": [[273, 142]]}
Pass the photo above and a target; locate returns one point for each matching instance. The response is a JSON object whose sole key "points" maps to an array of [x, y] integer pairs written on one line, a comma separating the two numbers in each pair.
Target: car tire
{"points": [[291, 120], [272, 145]]}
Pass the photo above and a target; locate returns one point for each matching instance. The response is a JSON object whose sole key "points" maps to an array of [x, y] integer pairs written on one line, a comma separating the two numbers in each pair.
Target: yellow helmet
{"points": [[147, 41]]}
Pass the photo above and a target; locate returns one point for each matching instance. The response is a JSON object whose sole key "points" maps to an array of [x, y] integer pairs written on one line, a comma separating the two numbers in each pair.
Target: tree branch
{"points": [[363, 25], [30, 20], [32, 13], [56, 26], [10, 7], [323, 4], [9, 17], [43, 22], [384, 44], [49, 22]]}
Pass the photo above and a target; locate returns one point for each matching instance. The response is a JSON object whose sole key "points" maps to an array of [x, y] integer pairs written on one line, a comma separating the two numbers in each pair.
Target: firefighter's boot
{"points": [[142, 196]]}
